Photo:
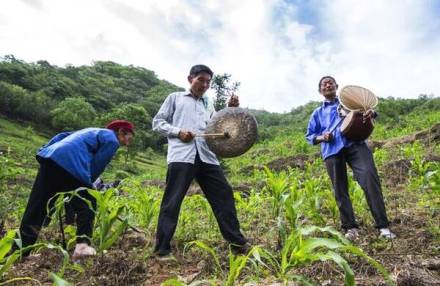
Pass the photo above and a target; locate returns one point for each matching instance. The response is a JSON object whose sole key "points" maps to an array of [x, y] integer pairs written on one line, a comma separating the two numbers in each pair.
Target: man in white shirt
{"points": [[180, 118]]}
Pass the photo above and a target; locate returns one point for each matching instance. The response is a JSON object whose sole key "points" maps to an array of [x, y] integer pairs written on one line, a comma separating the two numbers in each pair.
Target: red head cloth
{"points": [[118, 124]]}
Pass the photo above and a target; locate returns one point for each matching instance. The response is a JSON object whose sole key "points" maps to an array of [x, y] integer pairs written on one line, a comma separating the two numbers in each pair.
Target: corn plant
{"points": [[276, 185], [196, 220], [301, 248], [312, 186], [59, 281], [249, 209], [422, 172], [330, 203], [107, 215], [235, 265], [5, 246], [143, 204], [6, 261], [292, 207], [431, 198]]}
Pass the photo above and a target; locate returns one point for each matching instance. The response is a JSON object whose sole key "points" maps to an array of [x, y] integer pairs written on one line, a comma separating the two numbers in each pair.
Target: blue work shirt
{"points": [[84, 153], [181, 110], [324, 119]]}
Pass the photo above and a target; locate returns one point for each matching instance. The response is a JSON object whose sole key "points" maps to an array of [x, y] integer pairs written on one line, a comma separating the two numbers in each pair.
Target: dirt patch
{"points": [[37, 266], [373, 145], [396, 172], [195, 189], [280, 164], [259, 152], [298, 161], [432, 158], [116, 268], [414, 276], [154, 183], [428, 136], [2, 228]]}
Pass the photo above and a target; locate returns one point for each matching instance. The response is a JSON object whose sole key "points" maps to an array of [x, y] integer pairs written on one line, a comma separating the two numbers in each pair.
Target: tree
{"points": [[223, 88], [73, 113], [135, 113], [10, 98]]}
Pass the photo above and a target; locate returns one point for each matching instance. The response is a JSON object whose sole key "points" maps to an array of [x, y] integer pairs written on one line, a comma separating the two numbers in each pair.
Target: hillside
{"points": [[284, 200], [67, 98], [273, 206]]}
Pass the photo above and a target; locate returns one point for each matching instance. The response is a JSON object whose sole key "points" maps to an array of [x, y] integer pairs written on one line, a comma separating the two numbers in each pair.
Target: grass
{"points": [[274, 214]]}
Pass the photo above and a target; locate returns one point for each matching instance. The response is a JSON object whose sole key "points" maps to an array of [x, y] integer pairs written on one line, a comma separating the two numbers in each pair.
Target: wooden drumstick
{"points": [[224, 134]]}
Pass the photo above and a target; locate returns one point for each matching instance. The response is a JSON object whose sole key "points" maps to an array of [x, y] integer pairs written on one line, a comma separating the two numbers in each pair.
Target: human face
{"points": [[199, 83], [124, 138], [328, 88]]}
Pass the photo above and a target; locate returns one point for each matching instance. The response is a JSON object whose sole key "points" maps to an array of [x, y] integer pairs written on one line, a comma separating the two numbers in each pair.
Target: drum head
{"points": [[347, 122], [241, 127], [354, 97]]}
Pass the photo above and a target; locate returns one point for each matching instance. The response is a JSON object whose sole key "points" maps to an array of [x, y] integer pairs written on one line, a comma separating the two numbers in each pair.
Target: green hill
{"points": [[286, 209]]}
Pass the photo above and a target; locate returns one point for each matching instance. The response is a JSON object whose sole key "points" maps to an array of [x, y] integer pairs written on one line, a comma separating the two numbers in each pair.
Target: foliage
{"points": [[301, 248], [71, 97], [137, 114], [291, 199], [73, 113], [235, 265], [107, 215], [223, 88]]}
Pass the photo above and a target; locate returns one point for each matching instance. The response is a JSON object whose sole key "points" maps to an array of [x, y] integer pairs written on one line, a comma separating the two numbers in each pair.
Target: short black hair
{"points": [[324, 77], [198, 69]]}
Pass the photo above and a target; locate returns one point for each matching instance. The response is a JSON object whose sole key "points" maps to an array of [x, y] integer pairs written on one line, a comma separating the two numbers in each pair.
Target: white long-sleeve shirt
{"points": [[181, 110]]}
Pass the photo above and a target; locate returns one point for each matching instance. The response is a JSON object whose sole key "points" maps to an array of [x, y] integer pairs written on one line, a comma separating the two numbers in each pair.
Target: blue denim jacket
{"points": [[84, 153]]}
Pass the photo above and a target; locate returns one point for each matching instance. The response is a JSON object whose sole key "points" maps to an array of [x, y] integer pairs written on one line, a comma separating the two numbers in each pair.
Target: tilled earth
{"points": [[412, 259]]}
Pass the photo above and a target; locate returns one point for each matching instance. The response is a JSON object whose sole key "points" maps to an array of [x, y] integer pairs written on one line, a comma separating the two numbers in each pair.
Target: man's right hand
{"points": [[326, 137], [186, 135]]}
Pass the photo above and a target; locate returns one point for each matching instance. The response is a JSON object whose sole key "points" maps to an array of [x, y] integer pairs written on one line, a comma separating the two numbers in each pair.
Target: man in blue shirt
{"points": [[69, 161], [180, 118], [337, 151]]}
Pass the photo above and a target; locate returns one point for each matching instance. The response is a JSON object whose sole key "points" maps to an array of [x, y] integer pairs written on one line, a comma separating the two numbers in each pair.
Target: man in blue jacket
{"points": [[71, 160], [337, 151]]}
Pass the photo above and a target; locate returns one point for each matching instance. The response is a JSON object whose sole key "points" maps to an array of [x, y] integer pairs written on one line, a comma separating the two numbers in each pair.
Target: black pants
{"points": [[52, 179], [217, 191], [69, 212], [360, 159]]}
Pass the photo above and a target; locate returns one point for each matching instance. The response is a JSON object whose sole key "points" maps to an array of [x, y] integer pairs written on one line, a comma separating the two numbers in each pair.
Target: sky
{"points": [[277, 49]]}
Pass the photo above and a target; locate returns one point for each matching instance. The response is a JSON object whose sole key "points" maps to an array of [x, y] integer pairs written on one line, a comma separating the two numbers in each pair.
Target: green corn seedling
{"points": [[107, 214]]}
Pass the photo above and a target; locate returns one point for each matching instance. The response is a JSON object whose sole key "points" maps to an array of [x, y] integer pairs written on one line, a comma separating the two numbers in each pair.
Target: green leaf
{"points": [[6, 243], [58, 281]]}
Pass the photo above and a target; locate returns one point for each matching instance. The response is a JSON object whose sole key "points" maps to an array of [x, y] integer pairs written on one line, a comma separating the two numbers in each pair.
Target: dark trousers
{"points": [[360, 159], [52, 179], [69, 213], [217, 190]]}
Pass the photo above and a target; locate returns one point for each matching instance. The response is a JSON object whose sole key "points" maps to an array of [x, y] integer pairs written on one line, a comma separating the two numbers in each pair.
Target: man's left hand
{"points": [[233, 101], [370, 114]]}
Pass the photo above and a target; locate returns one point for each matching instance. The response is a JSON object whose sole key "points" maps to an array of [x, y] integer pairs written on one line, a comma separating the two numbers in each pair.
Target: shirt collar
{"points": [[328, 102], [188, 93], [204, 98]]}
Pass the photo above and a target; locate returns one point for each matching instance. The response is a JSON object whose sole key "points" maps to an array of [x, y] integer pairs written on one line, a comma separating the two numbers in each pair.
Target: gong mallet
{"points": [[224, 135]]}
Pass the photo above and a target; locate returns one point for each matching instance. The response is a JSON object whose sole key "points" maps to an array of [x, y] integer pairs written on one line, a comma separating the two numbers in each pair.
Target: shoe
{"points": [[166, 258], [352, 234], [241, 249], [169, 257], [386, 233], [83, 250], [164, 255]]}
